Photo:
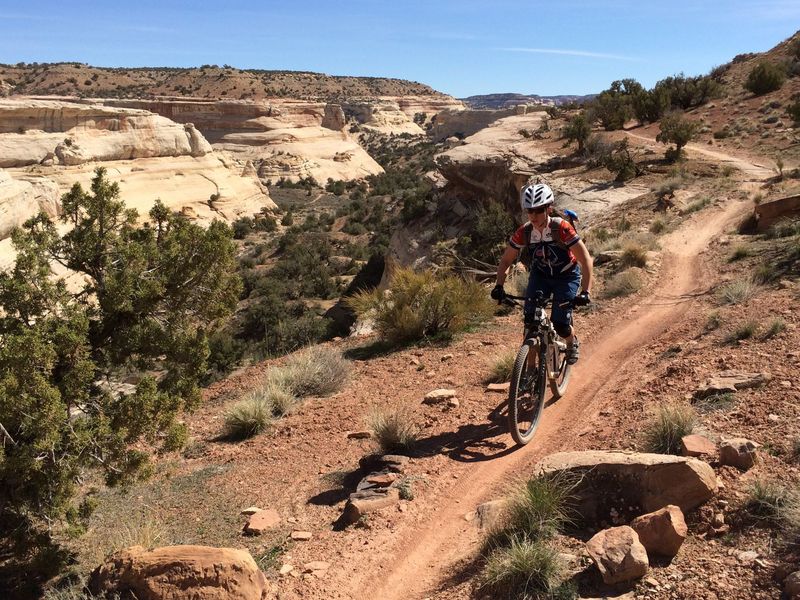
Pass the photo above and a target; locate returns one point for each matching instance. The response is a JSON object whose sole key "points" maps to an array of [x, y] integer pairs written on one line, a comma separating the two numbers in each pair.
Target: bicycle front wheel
{"points": [[526, 394]]}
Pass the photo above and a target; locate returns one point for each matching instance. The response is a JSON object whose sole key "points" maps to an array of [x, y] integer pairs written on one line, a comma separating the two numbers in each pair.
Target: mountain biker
{"points": [[559, 264], [571, 216]]}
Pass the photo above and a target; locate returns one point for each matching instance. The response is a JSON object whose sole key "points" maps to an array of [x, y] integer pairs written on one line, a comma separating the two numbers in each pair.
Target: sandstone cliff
{"points": [[48, 145]]}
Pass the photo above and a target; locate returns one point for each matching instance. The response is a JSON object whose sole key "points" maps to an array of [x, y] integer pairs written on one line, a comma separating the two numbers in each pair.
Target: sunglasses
{"points": [[536, 211]]}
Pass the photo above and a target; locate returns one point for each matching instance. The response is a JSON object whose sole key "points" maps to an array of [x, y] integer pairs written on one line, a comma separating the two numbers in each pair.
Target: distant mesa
{"points": [[500, 101]]}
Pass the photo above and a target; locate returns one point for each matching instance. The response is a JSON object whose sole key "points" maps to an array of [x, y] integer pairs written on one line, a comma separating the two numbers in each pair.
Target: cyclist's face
{"points": [[538, 216]]}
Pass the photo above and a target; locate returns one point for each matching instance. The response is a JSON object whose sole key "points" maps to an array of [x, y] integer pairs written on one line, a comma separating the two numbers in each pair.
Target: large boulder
{"points": [[618, 554], [610, 483], [661, 532], [181, 573], [21, 199]]}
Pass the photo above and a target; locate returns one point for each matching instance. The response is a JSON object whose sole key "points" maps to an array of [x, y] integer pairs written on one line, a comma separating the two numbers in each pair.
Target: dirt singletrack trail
{"points": [[423, 559]]}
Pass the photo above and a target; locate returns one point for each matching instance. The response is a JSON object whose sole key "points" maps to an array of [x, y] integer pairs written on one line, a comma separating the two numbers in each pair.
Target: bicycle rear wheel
{"points": [[559, 385], [526, 394]]}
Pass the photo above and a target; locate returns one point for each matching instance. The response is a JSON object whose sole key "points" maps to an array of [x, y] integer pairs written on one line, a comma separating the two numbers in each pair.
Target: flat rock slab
{"points": [[697, 445], [364, 502], [439, 395], [731, 381], [359, 435], [618, 554], [316, 566], [498, 388], [301, 536], [262, 521], [645, 482]]}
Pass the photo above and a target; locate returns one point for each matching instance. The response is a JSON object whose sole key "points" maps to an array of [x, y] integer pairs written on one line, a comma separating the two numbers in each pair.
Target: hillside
{"points": [[208, 81], [500, 101]]}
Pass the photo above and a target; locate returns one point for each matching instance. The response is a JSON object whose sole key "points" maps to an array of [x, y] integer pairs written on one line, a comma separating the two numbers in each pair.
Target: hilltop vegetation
{"points": [[207, 81]]}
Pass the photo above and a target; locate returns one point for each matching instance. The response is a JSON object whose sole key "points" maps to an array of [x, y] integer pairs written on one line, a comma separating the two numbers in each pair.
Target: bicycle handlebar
{"points": [[539, 301]]}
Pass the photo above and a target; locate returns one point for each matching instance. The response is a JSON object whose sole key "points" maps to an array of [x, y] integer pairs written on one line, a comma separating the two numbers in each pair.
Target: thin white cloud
{"points": [[567, 52]]}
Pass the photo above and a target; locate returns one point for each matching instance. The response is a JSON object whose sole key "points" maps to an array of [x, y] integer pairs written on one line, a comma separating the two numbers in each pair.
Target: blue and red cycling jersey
{"points": [[549, 257]]}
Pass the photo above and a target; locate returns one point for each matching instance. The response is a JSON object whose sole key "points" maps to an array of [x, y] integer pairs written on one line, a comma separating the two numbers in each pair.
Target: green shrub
{"points": [[739, 252], [577, 130], [737, 292], [524, 569], [793, 110], [623, 224], [765, 77], [394, 429], [315, 371], [501, 368], [676, 129], [247, 418], [669, 425], [623, 284], [633, 255], [423, 304], [784, 228]]}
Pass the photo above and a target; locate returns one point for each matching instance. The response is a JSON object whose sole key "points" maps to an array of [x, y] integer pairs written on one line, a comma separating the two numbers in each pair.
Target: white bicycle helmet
{"points": [[536, 195]]}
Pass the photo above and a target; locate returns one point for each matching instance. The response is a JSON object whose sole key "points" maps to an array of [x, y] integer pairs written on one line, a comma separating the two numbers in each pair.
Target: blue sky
{"points": [[461, 47]]}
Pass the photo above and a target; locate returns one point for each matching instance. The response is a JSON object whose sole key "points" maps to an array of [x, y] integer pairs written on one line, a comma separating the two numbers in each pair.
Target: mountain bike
{"points": [[541, 359]]}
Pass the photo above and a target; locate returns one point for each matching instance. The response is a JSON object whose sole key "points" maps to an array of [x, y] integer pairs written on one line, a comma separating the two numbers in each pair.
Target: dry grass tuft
{"points": [[394, 429], [737, 292], [669, 425], [315, 371], [633, 255], [248, 417], [523, 569], [623, 284], [501, 368]]}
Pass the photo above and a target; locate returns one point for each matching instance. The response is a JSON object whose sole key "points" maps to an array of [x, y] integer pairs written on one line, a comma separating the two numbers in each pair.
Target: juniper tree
{"points": [[678, 130], [140, 302]]}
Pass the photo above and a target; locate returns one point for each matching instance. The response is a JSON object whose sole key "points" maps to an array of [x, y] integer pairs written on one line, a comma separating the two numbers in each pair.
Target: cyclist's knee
{"points": [[563, 329]]}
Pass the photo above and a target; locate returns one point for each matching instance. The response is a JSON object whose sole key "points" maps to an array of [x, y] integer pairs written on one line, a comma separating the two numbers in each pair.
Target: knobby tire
{"points": [[534, 397]]}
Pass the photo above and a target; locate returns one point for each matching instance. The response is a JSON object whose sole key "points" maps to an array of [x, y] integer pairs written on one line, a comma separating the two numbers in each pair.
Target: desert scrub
{"points": [[501, 368], [315, 371], [247, 418], [658, 225], [276, 395], [623, 284], [523, 569], [775, 503], [393, 428], [422, 304], [696, 206], [743, 331], [633, 255], [776, 326], [538, 509], [784, 228], [670, 423], [737, 292], [739, 252], [713, 320], [715, 402]]}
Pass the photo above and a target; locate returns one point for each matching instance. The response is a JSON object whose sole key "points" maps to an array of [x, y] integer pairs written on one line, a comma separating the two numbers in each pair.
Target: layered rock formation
{"points": [[284, 138], [49, 145]]}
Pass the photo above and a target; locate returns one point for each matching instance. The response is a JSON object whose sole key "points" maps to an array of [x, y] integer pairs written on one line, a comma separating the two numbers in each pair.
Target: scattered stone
{"points": [[618, 554], [262, 521], [726, 382], [786, 384], [791, 585], [359, 435], [178, 572], [498, 388], [738, 452], [301, 536], [607, 257], [718, 520], [490, 513], [286, 569], [747, 556], [773, 418], [447, 357], [453, 403], [472, 353], [697, 445], [250, 510], [393, 462], [648, 481], [661, 532], [440, 395], [316, 566], [414, 361]]}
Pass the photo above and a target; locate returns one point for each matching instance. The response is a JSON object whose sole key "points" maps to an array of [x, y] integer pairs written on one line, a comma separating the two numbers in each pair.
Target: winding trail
{"points": [[423, 559]]}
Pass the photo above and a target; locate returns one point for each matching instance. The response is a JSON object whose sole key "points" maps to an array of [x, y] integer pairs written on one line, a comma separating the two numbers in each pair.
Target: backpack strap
{"points": [[555, 232]]}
